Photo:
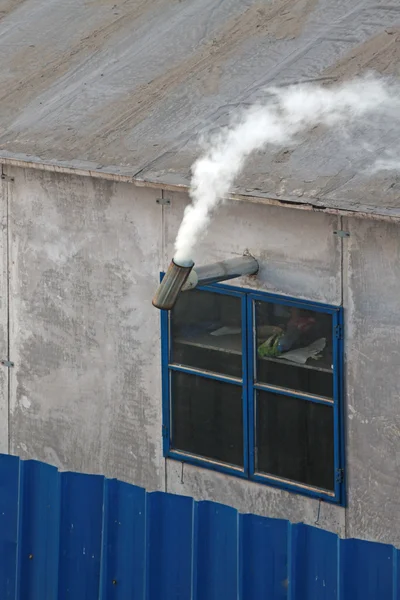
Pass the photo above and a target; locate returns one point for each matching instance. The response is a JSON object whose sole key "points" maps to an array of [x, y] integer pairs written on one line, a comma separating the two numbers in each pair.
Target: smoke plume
{"points": [[286, 113]]}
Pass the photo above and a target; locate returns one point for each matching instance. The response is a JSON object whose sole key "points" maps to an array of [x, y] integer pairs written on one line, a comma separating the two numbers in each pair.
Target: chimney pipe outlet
{"points": [[180, 278], [171, 286]]}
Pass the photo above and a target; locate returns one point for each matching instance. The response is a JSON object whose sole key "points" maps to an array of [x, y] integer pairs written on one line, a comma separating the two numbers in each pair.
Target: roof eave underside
{"points": [[117, 174]]}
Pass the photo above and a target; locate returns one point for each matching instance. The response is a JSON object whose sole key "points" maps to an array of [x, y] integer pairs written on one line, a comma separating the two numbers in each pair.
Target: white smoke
{"points": [[288, 112], [387, 162]]}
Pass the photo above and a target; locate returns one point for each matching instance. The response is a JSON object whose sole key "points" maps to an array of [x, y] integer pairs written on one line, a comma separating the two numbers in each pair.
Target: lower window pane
{"points": [[207, 418], [295, 439]]}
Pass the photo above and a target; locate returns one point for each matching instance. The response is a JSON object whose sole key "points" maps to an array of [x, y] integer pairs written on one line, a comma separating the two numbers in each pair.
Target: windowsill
{"points": [[257, 478]]}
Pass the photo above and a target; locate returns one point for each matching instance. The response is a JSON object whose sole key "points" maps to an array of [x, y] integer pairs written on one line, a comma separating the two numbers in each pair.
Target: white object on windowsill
{"points": [[226, 331], [301, 355]]}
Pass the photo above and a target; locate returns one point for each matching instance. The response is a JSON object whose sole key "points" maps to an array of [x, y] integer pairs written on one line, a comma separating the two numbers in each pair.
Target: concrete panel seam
{"points": [[6, 362]]}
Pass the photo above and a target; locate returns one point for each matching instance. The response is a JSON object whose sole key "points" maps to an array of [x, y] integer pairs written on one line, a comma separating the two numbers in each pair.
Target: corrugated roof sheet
{"points": [[125, 87]]}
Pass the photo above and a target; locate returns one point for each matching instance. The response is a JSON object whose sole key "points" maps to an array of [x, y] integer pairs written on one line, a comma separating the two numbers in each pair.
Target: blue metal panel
{"points": [[217, 552], [39, 526], [124, 542], [169, 547], [81, 525], [9, 501], [158, 546], [263, 558], [365, 571], [313, 571]]}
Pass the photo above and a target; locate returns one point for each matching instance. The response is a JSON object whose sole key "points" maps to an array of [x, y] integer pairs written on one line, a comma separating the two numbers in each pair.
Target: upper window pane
{"points": [[294, 348], [206, 332]]}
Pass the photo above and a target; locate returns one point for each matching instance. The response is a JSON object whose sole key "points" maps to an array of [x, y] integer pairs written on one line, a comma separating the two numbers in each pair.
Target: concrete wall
{"points": [[85, 394], [4, 371], [372, 299], [85, 390]]}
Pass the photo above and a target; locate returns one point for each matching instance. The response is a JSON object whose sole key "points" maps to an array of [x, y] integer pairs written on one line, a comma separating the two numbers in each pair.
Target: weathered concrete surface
{"points": [[249, 497], [4, 371], [299, 254], [85, 257], [127, 87], [85, 390], [372, 292]]}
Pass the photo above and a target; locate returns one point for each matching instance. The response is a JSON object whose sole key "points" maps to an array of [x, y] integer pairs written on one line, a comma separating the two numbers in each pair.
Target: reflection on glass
{"points": [[206, 332], [294, 348], [295, 439], [207, 418]]}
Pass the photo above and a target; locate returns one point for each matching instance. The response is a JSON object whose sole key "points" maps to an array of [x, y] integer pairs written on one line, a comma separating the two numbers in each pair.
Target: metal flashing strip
{"points": [[103, 173]]}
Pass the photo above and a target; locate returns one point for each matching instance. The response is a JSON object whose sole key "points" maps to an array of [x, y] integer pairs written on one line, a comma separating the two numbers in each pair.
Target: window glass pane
{"points": [[295, 439], [207, 418], [294, 348], [206, 332]]}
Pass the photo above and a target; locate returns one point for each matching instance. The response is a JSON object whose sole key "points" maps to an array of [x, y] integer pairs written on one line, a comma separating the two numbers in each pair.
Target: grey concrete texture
{"points": [[372, 344], [85, 390], [301, 258], [85, 393], [4, 355], [253, 498], [127, 87]]}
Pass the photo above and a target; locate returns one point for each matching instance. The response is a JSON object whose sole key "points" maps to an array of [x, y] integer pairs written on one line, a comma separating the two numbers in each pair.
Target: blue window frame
{"points": [[252, 386]]}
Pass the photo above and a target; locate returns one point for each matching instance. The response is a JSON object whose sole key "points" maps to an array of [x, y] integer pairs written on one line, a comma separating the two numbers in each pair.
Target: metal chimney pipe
{"points": [[181, 278], [221, 271], [171, 285]]}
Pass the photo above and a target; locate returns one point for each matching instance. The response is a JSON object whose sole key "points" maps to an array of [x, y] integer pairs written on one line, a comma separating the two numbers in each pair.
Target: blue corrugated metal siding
{"points": [[67, 536]]}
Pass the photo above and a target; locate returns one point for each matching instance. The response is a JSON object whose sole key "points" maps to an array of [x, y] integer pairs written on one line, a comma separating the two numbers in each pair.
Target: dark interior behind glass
{"points": [[293, 349], [207, 418], [284, 331], [295, 439], [197, 337]]}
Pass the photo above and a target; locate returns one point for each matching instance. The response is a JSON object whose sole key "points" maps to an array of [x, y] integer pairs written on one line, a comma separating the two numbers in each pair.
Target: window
{"points": [[252, 387]]}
